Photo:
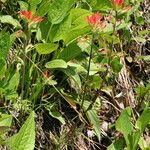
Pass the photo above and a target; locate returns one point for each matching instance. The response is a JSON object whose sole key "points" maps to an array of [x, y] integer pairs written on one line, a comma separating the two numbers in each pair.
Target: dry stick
{"points": [[106, 72]]}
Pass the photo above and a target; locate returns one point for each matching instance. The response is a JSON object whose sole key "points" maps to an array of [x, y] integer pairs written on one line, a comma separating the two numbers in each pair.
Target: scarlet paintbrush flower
{"points": [[117, 3], [28, 15], [95, 22], [37, 19], [25, 14]]}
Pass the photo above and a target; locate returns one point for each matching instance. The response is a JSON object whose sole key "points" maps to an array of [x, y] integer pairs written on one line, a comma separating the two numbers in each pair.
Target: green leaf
{"points": [[74, 34], [62, 29], [143, 120], [58, 10], [71, 72], [133, 140], [4, 44], [57, 115], [103, 5], [78, 67], [43, 8], [73, 26], [10, 20], [5, 120], [2, 67], [46, 48], [115, 64], [123, 123], [70, 52], [94, 120], [23, 5], [140, 39], [33, 4], [56, 63], [25, 138], [117, 145]]}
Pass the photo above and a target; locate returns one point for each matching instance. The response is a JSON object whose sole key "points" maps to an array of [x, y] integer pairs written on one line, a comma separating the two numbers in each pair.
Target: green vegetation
{"points": [[74, 75]]}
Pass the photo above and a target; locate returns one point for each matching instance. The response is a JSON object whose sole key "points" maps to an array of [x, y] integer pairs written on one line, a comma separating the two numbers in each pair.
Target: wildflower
{"points": [[95, 22], [117, 3], [28, 15], [37, 19]]}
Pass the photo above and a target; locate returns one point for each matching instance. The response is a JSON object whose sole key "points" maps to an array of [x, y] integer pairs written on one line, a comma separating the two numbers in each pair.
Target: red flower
{"points": [[28, 15], [37, 19], [117, 3], [95, 22]]}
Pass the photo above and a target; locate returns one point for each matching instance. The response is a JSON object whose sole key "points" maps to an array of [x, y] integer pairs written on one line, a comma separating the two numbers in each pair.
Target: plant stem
{"points": [[23, 69], [106, 72], [88, 71]]}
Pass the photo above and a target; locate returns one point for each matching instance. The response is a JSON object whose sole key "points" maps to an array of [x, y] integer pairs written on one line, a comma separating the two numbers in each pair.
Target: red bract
{"points": [[117, 3], [37, 19], [28, 15], [95, 22], [25, 14]]}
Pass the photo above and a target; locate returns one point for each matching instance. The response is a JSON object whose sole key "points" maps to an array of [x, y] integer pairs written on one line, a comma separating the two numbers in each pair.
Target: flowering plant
{"points": [[28, 15], [117, 3], [95, 22]]}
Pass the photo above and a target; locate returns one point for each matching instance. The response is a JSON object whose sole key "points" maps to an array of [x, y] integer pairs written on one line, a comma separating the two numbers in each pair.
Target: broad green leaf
{"points": [[56, 63], [71, 72], [25, 138], [5, 123], [78, 67], [74, 34], [117, 145], [73, 26], [70, 52], [10, 20], [43, 8], [4, 45], [23, 5], [103, 5], [5, 120], [58, 10], [46, 48], [57, 115], [133, 138], [94, 120], [123, 123], [78, 17], [140, 39], [62, 29], [13, 82], [33, 4], [143, 120], [115, 64]]}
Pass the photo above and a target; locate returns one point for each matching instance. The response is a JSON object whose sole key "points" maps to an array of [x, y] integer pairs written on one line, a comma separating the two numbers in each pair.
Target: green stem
{"points": [[88, 71], [49, 33], [26, 41], [106, 72]]}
